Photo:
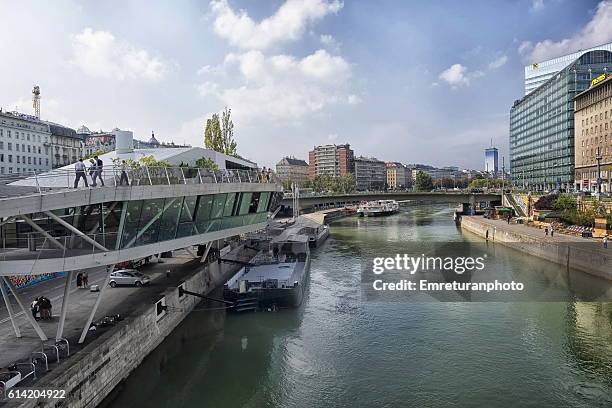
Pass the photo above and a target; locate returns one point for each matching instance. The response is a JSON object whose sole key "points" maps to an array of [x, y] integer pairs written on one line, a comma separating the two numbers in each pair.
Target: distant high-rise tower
{"points": [[36, 101], [491, 161]]}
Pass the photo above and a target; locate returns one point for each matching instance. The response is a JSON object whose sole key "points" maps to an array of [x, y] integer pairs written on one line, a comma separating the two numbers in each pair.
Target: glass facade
{"points": [[542, 126], [119, 225]]}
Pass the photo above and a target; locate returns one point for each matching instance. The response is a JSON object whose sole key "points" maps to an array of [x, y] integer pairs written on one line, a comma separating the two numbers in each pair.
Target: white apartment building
{"points": [[24, 143]]}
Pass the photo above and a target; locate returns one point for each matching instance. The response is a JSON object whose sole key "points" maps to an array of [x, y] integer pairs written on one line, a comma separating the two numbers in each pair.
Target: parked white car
{"points": [[130, 277]]}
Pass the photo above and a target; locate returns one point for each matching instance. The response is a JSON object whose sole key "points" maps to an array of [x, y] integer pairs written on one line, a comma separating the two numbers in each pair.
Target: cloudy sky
{"points": [[411, 81]]}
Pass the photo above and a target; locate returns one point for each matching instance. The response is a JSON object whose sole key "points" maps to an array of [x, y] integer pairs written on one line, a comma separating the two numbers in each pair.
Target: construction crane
{"points": [[36, 101]]}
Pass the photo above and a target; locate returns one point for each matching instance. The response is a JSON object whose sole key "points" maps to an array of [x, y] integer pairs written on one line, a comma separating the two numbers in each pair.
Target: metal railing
{"points": [[128, 176]]}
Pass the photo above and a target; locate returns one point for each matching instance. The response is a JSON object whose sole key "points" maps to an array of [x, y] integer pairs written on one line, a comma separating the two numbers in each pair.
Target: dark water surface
{"points": [[341, 349]]}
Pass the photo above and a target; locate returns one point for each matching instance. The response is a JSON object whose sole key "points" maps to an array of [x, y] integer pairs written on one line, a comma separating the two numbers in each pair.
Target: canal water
{"points": [[343, 348]]}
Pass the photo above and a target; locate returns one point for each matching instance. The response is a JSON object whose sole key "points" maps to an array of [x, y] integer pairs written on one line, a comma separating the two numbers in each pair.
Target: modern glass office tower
{"points": [[542, 125], [538, 73]]}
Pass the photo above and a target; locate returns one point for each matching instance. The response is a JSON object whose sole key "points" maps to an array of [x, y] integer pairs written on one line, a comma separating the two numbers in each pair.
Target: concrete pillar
{"points": [[109, 269], [60, 326], [25, 310], [9, 307]]}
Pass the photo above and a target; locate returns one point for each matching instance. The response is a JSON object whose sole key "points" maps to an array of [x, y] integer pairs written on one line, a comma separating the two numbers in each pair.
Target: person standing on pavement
{"points": [[605, 241], [79, 168], [34, 308], [85, 280], [552, 231], [79, 279]]}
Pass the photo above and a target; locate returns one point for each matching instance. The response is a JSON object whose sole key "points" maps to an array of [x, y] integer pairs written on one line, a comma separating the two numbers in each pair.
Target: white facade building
{"points": [[24, 143], [539, 72]]}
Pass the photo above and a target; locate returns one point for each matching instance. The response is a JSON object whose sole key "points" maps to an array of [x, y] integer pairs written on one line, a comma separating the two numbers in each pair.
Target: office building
{"points": [[537, 73], [542, 126], [66, 146], [292, 170], [593, 135], [491, 161], [24, 143], [370, 174], [331, 160], [399, 177]]}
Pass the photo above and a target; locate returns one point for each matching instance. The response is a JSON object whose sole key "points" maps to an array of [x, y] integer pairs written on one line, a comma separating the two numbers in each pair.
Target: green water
{"points": [[342, 350]]}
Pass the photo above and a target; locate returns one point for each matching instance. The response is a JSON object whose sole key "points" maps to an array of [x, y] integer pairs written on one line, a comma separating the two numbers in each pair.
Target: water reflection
{"points": [[341, 349]]}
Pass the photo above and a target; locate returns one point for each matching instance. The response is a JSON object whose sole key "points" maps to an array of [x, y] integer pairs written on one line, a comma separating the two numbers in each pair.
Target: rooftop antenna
{"points": [[36, 101]]}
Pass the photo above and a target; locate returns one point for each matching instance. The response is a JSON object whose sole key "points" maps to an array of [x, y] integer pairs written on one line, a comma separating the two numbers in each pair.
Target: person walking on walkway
{"points": [[79, 168], [552, 231], [546, 231], [85, 280], [605, 241], [509, 216], [92, 171], [79, 279], [124, 174], [98, 172]]}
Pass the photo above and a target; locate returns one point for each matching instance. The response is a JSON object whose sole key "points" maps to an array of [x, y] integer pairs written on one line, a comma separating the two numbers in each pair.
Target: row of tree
{"points": [[321, 184]]}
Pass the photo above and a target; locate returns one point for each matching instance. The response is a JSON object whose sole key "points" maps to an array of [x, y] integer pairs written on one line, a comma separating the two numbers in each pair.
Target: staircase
{"points": [[509, 200], [247, 304]]}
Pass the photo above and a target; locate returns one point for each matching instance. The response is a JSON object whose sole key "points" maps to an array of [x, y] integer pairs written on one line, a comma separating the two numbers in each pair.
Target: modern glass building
{"points": [[542, 125], [491, 161], [538, 73]]}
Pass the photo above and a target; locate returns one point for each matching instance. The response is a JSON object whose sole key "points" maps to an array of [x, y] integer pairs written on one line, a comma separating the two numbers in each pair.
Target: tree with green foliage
{"points": [[423, 182], [565, 203], [98, 152], [207, 163], [219, 133], [151, 161]]}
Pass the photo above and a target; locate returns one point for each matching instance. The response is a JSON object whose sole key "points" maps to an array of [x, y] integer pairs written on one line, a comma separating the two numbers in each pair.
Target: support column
{"points": [[109, 270], [203, 259], [75, 230], [37, 227], [26, 312], [9, 307], [60, 326]]}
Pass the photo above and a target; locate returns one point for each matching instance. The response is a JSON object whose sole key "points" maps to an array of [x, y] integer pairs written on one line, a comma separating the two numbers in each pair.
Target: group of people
{"points": [[96, 166], [95, 171], [41, 305], [82, 280], [265, 176]]}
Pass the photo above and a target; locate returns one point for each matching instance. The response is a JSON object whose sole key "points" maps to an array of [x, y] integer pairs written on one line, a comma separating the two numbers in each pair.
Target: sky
{"points": [[411, 81]]}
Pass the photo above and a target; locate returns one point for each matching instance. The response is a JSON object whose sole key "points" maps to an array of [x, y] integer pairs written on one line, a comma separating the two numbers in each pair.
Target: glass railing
{"points": [[125, 177]]}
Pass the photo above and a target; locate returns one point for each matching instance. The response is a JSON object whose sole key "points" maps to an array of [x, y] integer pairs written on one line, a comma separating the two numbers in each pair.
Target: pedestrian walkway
{"points": [[120, 300], [539, 234]]}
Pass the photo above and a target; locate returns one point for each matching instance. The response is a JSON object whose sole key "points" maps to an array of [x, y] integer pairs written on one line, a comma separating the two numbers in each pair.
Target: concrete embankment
{"points": [[572, 252], [92, 373]]}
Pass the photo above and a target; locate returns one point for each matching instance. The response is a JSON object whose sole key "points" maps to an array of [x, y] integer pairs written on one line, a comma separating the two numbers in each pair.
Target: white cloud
{"points": [[597, 31], [354, 99], [288, 23], [537, 5], [99, 54], [282, 87], [330, 42], [499, 62], [458, 75]]}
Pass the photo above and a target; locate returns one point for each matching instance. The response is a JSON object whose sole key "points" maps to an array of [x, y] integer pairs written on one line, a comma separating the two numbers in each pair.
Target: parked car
{"points": [[129, 277]]}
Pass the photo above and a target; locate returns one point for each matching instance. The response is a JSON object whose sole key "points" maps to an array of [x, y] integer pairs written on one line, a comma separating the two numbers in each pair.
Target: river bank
{"points": [[583, 254]]}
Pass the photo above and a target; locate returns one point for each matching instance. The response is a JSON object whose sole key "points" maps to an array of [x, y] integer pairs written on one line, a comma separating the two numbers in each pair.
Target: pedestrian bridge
{"points": [[323, 201], [48, 226]]}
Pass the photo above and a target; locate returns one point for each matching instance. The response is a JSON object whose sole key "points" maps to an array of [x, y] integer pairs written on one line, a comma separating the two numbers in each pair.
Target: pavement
{"points": [[593, 244], [119, 300]]}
